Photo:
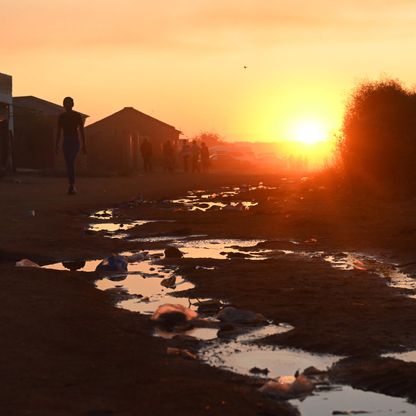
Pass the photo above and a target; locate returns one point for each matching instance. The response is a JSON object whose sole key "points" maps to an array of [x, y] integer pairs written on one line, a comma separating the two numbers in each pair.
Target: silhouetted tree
{"points": [[378, 144], [210, 139]]}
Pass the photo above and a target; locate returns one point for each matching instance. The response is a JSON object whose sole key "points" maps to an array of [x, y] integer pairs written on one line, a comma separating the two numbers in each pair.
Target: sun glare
{"points": [[310, 140], [309, 132]]}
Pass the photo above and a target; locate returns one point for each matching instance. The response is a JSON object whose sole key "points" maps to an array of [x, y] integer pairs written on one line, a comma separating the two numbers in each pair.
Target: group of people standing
{"points": [[195, 157]]}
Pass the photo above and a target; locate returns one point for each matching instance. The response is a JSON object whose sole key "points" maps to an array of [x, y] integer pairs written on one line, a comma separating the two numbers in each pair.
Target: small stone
{"points": [[313, 371], [170, 282], [173, 252], [256, 370], [74, 265]]}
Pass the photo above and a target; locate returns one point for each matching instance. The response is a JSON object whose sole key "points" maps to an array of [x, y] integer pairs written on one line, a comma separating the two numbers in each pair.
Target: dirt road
{"points": [[67, 350]]}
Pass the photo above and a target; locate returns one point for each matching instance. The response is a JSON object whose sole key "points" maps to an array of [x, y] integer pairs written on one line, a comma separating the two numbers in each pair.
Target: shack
{"points": [[114, 142], [6, 123], [36, 123]]}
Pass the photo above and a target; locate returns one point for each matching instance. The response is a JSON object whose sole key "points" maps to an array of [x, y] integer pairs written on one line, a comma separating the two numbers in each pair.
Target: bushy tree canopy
{"points": [[209, 138], [379, 134]]}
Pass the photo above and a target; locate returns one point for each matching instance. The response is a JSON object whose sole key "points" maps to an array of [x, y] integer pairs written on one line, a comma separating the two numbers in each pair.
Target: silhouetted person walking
{"points": [[71, 124], [168, 153], [147, 152]]}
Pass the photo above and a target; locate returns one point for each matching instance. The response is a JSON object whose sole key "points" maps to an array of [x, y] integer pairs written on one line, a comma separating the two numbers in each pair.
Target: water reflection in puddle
{"points": [[142, 282], [111, 227], [344, 400], [160, 238], [216, 248], [201, 200], [89, 266], [240, 357], [117, 230], [356, 261], [103, 214], [204, 334], [409, 356]]}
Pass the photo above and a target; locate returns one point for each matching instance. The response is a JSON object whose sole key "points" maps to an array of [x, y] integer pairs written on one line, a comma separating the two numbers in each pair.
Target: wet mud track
{"points": [[349, 313]]}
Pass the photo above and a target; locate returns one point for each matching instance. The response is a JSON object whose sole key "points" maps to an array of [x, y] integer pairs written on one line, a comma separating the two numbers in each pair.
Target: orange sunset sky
{"points": [[183, 60]]}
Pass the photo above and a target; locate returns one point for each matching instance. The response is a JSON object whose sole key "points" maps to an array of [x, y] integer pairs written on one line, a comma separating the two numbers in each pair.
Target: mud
{"points": [[350, 313]]}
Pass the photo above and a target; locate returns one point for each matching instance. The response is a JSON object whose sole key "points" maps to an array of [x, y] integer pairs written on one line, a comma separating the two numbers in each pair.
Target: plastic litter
{"points": [[230, 314], [27, 263], [181, 353], [114, 263], [288, 387], [171, 315], [138, 257]]}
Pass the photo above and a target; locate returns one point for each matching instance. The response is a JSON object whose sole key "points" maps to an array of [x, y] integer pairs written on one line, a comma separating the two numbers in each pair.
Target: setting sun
{"points": [[309, 132], [309, 140]]}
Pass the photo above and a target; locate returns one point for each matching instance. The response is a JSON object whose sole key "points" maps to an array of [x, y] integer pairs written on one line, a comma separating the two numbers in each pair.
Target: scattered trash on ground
{"points": [[171, 315], [114, 263], [27, 263], [288, 387], [181, 353], [230, 314]]}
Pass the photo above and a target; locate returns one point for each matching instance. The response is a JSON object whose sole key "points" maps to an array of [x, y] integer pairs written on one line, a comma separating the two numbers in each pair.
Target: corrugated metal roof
{"points": [[38, 104]]}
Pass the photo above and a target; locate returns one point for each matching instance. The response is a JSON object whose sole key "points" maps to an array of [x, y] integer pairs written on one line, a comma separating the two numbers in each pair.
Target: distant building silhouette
{"points": [[36, 122], [114, 142], [6, 123]]}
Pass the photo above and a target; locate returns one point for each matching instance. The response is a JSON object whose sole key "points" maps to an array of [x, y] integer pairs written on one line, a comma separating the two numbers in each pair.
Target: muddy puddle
{"points": [[408, 357], [165, 238], [104, 222], [243, 352], [395, 278], [143, 280], [115, 230], [344, 400], [105, 214], [242, 356], [226, 198], [203, 334], [221, 249]]}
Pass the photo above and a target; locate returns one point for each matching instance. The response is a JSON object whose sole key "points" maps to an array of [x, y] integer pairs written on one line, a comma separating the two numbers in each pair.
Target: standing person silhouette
{"points": [[71, 124], [186, 153], [195, 153], [204, 157]]}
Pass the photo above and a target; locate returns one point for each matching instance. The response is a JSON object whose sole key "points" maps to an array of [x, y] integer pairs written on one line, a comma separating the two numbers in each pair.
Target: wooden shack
{"points": [[114, 142], [36, 122]]}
